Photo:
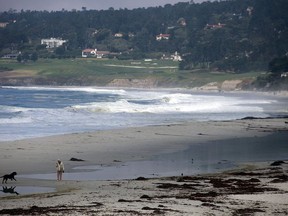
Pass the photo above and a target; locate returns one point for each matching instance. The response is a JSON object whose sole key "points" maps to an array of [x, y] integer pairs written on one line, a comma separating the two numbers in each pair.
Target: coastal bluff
{"points": [[137, 83]]}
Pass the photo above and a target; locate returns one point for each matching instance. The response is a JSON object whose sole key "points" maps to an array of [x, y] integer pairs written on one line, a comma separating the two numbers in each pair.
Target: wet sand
{"points": [[254, 188]]}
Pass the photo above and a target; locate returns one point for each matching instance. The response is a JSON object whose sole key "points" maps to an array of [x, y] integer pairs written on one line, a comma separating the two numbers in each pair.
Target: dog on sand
{"points": [[10, 176]]}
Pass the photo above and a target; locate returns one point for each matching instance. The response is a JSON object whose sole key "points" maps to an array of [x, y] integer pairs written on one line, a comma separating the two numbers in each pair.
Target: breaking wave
{"points": [[41, 111]]}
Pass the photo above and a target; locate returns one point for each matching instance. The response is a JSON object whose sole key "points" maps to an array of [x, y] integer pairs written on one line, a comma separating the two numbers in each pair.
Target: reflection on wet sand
{"points": [[9, 190], [22, 190]]}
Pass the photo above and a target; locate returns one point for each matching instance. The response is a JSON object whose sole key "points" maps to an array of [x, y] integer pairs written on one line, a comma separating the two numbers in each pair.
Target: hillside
{"points": [[230, 37]]}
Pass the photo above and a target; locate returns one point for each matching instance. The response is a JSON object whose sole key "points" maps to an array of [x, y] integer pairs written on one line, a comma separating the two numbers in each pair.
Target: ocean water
{"points": [[27, 112]]}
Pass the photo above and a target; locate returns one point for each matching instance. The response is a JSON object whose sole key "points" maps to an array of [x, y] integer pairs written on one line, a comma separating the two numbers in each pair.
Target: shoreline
{"points": [[250, 189], [106, 147], [276, 93], [247, 188]]}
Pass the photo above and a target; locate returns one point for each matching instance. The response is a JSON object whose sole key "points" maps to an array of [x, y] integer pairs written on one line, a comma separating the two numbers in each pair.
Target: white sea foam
{"points": [[77, 89], [37, 111], [6, 121], [173, 103]]}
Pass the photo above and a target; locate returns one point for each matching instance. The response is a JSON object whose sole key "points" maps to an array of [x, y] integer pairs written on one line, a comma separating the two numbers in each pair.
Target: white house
{"points": [[176, 57], [162, 37], [53, 42], [94, 53], [118, 35], [3, 24], [102, 54], [88, 52]]}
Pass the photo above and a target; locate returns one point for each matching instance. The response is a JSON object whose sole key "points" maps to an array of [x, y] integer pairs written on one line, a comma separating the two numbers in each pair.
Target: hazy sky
{"points": [[78, 4]]}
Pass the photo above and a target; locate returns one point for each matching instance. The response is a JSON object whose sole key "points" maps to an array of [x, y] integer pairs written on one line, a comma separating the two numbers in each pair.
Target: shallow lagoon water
{"points": [[208, 157], [135, 169]]}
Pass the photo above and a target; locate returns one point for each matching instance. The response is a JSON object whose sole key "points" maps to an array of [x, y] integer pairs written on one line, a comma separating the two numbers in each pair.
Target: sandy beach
{"points": [[249, 189]]}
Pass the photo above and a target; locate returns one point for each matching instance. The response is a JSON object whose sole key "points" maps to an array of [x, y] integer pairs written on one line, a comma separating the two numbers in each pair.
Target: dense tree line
{"points": [[234, 35], [277, 79]]}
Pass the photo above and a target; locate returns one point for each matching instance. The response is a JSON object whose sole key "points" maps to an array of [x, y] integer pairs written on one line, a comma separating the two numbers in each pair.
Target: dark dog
{"points": [[9, 176]]}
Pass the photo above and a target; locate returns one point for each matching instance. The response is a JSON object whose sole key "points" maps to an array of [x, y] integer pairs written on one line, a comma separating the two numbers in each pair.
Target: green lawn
{"points": [[102, 71]]}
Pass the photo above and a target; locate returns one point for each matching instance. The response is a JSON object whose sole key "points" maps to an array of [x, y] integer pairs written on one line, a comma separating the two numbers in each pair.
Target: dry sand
{"points": [[259, 189]]}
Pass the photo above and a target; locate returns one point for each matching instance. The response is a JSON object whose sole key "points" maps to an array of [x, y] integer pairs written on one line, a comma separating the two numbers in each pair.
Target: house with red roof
{"points": [[162, 37]]}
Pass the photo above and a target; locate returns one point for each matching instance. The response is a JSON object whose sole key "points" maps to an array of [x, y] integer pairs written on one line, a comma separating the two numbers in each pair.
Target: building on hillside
{"points": [[11, 56], [162, 37], [3, 24], [131, 35], [176, 57], [182, 22], [88, 53], [214, 26], [118, 35], [250, 10], [53, 42], [95, 53], [102, 54]]}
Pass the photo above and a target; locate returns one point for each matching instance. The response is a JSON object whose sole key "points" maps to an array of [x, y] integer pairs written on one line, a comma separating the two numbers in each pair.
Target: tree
{"points": [[19, 58], [243, 41], [25, 56], [34, 57], [279, 65], [60, 50]]}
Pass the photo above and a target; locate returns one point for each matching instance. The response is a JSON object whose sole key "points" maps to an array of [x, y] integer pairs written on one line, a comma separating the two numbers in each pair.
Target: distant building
{"points": [[131, 35], [162, 37], [11, 56], [94, 53], [215, 26], [3, 24], [182, 22], [88, 52], [102, 54], [118, 35], [176, 57], [53, 42], [250, 10], [171, 27]]}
